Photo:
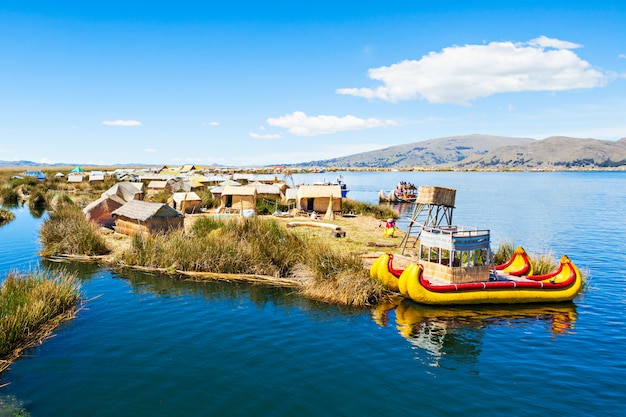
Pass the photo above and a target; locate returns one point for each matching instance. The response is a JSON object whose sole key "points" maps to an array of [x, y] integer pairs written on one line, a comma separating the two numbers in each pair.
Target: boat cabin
{"points": [[455, 254]]}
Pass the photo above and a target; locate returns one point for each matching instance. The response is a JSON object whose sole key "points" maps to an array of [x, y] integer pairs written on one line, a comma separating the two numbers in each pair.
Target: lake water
{"points": [[147, 345]]}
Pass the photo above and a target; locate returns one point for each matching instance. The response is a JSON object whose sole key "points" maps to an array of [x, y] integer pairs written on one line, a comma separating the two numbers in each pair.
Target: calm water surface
{"points": [[149, 345]]}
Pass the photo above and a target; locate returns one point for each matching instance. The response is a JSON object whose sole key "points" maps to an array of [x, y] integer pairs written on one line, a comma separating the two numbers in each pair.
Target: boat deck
{"points": [[499, 276]]}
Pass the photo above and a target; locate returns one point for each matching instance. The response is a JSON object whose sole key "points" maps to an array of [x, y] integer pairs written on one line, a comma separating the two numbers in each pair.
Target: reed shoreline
{"points": [[31, 307]]}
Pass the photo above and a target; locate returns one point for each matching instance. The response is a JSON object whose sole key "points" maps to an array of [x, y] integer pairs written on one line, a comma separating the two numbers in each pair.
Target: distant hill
{"points": [[434, 152], [489, 152], [18, 164], [467, 152], [27, 164], [557, 152]]}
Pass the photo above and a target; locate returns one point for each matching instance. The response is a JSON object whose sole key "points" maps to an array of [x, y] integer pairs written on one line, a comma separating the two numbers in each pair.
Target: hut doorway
{"points": [[310, 204], [229, 201]]}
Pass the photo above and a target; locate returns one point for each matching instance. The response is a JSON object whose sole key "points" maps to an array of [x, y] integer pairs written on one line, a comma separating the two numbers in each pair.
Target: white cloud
{"points": [[150, 150], [622, 56], [459, 74], [299, 124], [264, 136], [121, 123], [210, 124], [545, 42]]}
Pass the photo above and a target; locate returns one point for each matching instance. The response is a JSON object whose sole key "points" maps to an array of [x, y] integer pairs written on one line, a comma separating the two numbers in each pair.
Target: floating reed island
{"points": [[31, 306], [260, 249]]}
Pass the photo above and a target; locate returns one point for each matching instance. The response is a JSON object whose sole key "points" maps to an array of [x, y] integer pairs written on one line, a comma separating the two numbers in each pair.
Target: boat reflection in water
{"points": [[458, 331]]}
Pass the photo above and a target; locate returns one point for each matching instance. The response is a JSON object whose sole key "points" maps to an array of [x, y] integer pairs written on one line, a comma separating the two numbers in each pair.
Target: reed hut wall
{"points": [[239, 198], [271, 192], [140, 216], [185, 202], [153, 225], [317, 197], [100, 211]]}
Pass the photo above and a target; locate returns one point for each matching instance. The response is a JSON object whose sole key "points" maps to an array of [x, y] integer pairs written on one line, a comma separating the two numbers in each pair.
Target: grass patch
{"points": [[264, 207], [207, 199], [375, 210], [259, 247], [332, 276], [9, 196], [504, 252], [6, 216], [30, 307], [67, 231], [543, 263]]}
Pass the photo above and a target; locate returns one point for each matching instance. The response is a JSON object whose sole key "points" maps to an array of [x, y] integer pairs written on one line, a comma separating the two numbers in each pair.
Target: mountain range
{"points": [[470, 152]]}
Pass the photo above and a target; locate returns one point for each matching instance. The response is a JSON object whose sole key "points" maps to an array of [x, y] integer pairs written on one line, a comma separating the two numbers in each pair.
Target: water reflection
{"points": [[457, 332], [142, 282], [83, 270], [36, 211]]}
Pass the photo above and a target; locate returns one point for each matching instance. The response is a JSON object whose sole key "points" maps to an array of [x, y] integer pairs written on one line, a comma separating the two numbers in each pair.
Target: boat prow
{"points": [[383, 271], [519, 264]]}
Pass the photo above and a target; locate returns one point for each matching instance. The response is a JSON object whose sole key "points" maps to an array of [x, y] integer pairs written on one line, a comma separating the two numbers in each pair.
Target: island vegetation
{"points": [[5, 216], [31, 306]]}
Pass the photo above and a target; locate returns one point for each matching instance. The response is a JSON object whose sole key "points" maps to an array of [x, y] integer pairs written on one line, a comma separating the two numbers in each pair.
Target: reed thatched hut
{"points": [[185, 202], [147, 218], [75, 178], [96, 177], [318, 197], [101, 210], [271, 192], [238, 198], [156, 186], [126, 190]]}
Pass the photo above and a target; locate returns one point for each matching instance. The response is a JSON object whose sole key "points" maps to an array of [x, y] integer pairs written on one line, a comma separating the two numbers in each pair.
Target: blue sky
{"points": [[258, 83]]}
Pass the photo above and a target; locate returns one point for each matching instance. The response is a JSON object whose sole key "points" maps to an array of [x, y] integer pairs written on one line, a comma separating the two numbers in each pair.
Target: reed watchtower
{"points": [[433, 207]]}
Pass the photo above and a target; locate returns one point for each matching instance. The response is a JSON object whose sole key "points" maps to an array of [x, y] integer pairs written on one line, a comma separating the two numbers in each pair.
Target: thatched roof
{"points": [[291, 194], [125, 190], [190, 196], [106, 203], [317, 191], [241, 176], [266, 188], [155, 177], [75, 178], [239, 190], [157, 185], [265, 178], [217, 178], [144, 210], [229, 182]]}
